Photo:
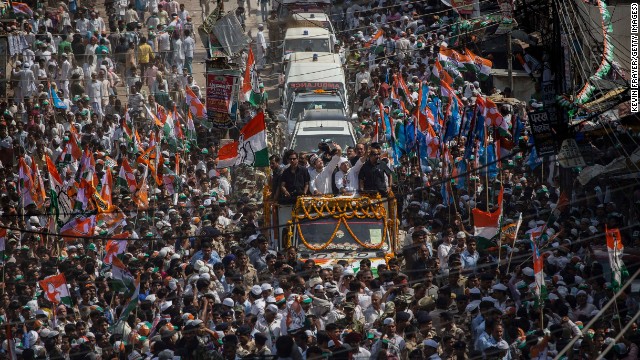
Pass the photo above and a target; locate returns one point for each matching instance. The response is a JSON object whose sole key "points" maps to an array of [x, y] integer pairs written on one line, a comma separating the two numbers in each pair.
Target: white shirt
{"points": [[164, 42], [261, 40], [348, 181], [322, 181], [178, 52], [188, 45]]}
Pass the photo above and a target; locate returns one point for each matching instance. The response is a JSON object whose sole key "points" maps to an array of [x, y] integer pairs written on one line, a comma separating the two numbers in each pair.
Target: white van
{"points": [[307, 39], [322, 126], [310, 71], [310, 84]]}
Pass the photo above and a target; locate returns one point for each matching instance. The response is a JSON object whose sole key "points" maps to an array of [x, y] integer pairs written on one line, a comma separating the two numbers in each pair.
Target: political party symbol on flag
{"points": [[195, 105], [126, 178], [482, 66], [252, 143], [115, 247], [616, 250], [251, 82], [487, 224], [79, 227], [55, 289], [227, 155]]}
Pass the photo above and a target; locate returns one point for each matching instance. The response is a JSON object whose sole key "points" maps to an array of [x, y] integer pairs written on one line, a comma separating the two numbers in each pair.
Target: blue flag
{"points": [[57, 103], [461, 167], [517, 130], [488, 161], [534, 160], [453, 125]]}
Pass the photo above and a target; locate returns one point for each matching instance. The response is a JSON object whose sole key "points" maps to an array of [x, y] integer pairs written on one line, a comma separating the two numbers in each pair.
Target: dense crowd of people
{"points": [[95, 189]]}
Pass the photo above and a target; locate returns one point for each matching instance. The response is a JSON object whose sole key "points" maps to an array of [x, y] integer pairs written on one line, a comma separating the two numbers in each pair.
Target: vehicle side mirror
{"points": [[354, 117], [282, 118]]}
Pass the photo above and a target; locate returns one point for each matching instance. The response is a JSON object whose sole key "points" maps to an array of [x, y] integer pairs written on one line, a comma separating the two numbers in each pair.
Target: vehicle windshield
{"points": [[369, 232], [307, 45], [299, 107], [310, 142]]}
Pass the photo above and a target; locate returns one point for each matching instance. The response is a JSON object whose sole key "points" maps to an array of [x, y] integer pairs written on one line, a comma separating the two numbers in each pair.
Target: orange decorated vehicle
{"points": [[330, 228]]}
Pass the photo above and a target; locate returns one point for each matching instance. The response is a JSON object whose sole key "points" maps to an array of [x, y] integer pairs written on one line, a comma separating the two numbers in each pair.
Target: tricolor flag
{"points": [[107, 188], [79, 227], [126, 178], [540, 288], [482, 66], [156, 119], [131, 304], [141, 195], [85, 194], [38, 185], [112, 219], [55, 289], [25, 184], [191, 128], [487, 224], [252, 144], [375, 39], [195, 105], [227, 155], [616, 250], [115, 247], [438, 74], [71, 151], [22, 8], [123, 281], [251, 83]]}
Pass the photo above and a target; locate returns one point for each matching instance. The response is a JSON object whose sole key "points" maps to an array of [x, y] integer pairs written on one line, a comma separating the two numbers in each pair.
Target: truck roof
{"points": [[324, 114], [308, 32], [315, 72], [307, 57]]}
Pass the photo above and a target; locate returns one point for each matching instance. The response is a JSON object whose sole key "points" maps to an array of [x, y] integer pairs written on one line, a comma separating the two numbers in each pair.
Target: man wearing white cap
{"points": [[261, 47], [269, 325], [257, 301], [346, 179]]}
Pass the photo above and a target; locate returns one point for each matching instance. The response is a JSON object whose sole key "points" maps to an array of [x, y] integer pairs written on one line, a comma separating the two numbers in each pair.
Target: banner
{"points": [[221, 102], [542, 129]]}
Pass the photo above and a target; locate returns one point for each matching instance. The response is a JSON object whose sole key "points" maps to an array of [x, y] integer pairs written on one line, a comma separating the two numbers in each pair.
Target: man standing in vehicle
{"points": [[294, 180], [374, 176]]}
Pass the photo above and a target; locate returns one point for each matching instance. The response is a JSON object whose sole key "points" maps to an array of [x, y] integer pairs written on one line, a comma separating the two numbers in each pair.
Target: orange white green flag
{"points": [[250, 82], [616, 250], [227, 155], [195, 105], [55, 289], [252, 144]]}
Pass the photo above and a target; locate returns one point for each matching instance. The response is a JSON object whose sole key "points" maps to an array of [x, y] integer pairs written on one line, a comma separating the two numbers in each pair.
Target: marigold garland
{"points": [[334, 233], [315, 208]]}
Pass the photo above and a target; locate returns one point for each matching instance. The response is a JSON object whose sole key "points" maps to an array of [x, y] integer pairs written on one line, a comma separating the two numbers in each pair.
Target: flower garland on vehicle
{"points": [[335, 232], [362, 208]]}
